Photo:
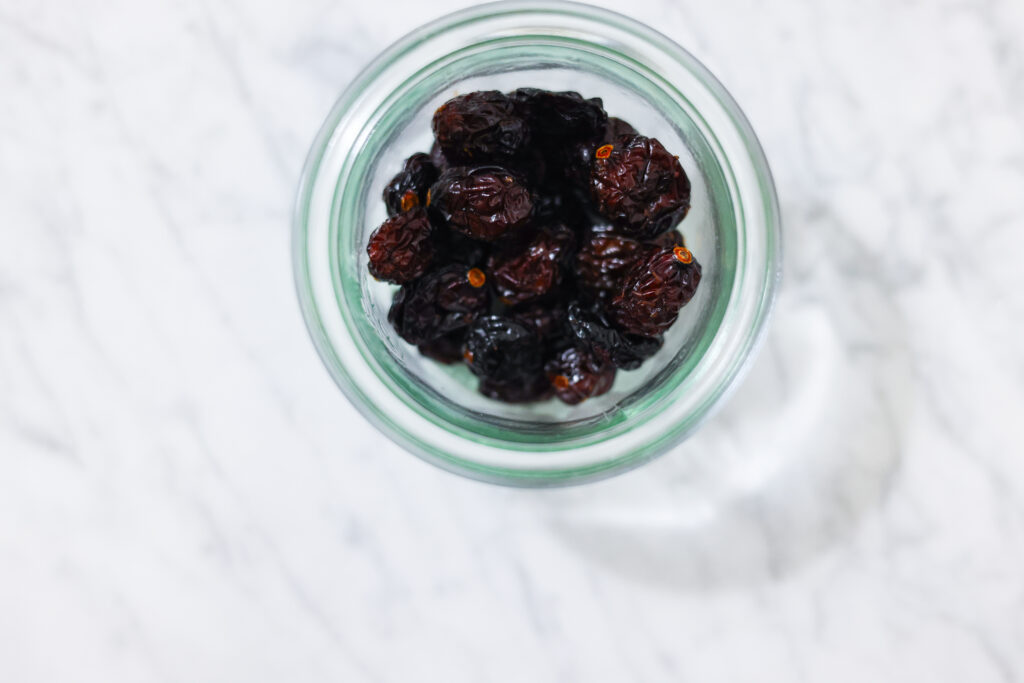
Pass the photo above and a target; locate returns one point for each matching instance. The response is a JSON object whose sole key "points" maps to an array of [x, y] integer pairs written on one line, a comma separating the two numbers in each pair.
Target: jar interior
{"points": [[401, 126]]}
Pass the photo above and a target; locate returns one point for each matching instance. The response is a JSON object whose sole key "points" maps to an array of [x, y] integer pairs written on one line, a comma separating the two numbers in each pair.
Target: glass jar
{"points": [[384, 116]]}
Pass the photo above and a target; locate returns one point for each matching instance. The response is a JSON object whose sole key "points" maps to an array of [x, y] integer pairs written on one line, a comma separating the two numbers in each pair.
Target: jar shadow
{"points": [[804, 451]]}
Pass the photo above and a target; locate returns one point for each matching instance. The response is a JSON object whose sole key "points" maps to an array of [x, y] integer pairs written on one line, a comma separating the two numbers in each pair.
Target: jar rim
{"points": [[760, 285]]}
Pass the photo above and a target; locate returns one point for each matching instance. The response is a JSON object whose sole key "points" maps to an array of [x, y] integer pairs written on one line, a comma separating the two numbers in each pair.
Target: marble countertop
{"points": [[186, 496]]}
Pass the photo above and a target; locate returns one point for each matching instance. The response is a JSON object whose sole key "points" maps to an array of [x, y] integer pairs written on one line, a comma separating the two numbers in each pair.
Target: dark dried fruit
{"points": [[440, 302], [401, 249], [547, 207], [561, 207], [576, 375], [454, 247], [438, 158], [459, 291], [532, 167], [502, 349], [445, 349], [535, 244], [560, 116], [574, 163], [547, 319], [605, 259], [639, 187], [594, 332], [617, 127], [654, 291], [533, 387], [535, 270], [408, 189], [669, 240], [484, 203], [480, 128]]}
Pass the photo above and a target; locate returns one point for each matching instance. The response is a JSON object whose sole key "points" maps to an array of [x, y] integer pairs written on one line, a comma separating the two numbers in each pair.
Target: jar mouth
{"points": [[372, 126]]}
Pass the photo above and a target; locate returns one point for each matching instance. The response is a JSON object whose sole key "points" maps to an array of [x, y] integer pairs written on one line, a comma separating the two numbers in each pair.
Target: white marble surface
{"points": [[185, 496]]}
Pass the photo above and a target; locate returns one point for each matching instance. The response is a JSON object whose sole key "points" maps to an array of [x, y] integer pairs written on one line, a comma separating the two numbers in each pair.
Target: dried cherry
{"points": [[502, 349], [479, 128], [654, 291], [560, 116], [440, 302], [593, 331], [604, 260], [484, 202], [638, 186], [561, 207], [548, 320], [669, 240], [454, 247], [617, 127], [533, 387], [576, 374], [445, 349], [401, 249], [535, 270], [575, 162], [408, 189], [438, 158]]}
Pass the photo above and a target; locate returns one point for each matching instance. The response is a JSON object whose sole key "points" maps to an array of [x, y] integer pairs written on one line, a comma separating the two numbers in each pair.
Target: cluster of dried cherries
{"points": [[536, 243]]}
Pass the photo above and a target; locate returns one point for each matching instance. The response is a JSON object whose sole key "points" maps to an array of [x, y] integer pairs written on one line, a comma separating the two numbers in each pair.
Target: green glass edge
{"points": [[501, 475]]}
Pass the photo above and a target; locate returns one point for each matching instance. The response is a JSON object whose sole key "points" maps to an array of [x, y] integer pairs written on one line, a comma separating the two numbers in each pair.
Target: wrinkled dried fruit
{"points": [[640, 187], [454, 247], [502, 349], [594, 332], [604, 260], [654, 291], [535, 270], [532, 167], [574, 163], [561, 207], [560, 116], [440, 302], [401, 249], [438, 158], [669, 240], [577, 374], [445, 349], [480, 128], [616, 128], [547, 319], [456, 291], [408, 189], [535, 243], [533, 387], [484, 203]]}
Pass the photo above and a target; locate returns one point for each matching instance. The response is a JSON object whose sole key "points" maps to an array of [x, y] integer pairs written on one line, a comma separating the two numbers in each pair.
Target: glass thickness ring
{"points": [[498, 41]]}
